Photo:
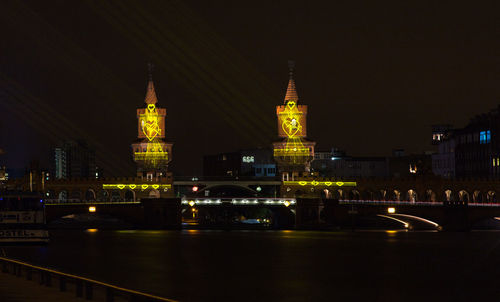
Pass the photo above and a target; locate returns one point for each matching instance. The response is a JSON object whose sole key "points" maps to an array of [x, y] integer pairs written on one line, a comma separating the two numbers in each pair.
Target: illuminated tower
{"points": [[294, 153], [151, 153]]}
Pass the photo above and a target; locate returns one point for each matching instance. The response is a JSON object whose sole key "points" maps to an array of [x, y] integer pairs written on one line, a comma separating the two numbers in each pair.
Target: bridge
{"points": [[283, 212], [312, 202], [457, 216]]}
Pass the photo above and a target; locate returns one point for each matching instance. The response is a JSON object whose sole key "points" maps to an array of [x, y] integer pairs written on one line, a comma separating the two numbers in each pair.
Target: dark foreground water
{"points": [[282, 265]]}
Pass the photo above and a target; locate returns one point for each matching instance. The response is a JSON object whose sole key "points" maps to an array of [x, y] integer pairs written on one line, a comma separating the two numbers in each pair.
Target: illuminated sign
{"points": [[248, 159]]}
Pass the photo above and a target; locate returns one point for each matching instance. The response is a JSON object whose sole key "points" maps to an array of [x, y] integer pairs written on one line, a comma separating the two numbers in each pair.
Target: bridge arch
{"points": [[338, 194], [448, 195], [354, 194], [129, 195], [382, 194], [430, 195], [463, 196], [154, 193], [90, 194], [477, 196], [411, 195], [115, 195], [491, 196], [367, 194], [396, 195], [75, 195], [326, 194], [62, 196], [103, 195]]}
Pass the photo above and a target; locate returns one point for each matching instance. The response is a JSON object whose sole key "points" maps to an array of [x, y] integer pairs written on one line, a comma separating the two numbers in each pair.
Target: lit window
{"points": [[494, 162], [484, 137]]}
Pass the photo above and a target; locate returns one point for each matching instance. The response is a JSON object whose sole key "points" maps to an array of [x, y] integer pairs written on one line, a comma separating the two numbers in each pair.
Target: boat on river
{"points": [[22, 218]]}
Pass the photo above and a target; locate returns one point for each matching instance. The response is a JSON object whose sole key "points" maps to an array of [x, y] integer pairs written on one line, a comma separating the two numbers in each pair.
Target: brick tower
{"points": [[294, 152], [150, 151]]}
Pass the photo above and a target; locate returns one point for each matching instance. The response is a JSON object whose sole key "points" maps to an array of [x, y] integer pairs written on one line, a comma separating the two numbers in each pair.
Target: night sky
{"points": [[375, 75]]}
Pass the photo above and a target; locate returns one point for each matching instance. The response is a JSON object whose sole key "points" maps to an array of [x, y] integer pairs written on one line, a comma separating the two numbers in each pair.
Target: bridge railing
{"points": [[80, 201], [390, 202], [239, 201], [416, 203], [83, 287]]}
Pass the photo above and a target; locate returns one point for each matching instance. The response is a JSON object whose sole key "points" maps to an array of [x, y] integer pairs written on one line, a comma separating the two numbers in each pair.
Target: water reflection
{"points": [[285, 265]]}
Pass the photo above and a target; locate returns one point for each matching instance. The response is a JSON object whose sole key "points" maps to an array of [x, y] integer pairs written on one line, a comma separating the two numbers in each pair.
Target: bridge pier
{"points": [[162, 213], [307, 213], [455, 218]]}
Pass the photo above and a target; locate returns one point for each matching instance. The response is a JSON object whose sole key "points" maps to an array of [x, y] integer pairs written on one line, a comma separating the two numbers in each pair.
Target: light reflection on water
{"points": [[283, 265]]}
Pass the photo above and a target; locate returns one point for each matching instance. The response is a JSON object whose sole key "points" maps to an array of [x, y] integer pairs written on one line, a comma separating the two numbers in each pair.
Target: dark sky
{"points": [[374, 74]]}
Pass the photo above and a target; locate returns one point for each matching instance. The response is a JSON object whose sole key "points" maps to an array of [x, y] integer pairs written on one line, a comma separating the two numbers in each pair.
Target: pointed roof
{"points": [[291, 91], [150, 91]]}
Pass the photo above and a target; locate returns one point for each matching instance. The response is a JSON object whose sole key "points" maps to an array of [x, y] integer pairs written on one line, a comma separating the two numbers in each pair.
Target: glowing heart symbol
{"points": [[132, 186], [339, 183], [328, 183], [290, 105], [155, 186], [151, 129], [290, 126], [121, 186], [302, 183], [314, 183], [144, 187]]}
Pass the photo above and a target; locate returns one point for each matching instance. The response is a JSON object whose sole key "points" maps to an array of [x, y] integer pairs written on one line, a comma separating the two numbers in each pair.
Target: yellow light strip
{"points": [[321, 183], [151, 156], [87, 279], [136, 186], [292, 152]]}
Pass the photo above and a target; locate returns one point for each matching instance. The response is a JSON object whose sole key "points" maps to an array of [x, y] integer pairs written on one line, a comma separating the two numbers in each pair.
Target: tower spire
{"points": [[150, 91], [291, 91]]}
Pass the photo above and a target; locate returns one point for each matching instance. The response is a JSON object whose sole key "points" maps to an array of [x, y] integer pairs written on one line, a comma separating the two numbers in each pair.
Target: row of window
{"points": [[265, 170], [151, 150], [484, 137]]}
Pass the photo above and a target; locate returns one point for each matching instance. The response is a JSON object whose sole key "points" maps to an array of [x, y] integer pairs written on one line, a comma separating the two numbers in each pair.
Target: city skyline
{"points": [[346, 85]]}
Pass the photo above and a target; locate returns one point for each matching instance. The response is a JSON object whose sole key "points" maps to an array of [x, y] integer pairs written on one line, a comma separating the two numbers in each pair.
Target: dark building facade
{"points": [[337, 164], [405, 165], [74, 159], [246, 163], [472, 151], [478, 146]]}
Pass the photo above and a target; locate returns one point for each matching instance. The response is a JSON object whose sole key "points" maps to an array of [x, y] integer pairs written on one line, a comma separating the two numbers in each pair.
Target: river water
{"points": [[193, 265]]}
